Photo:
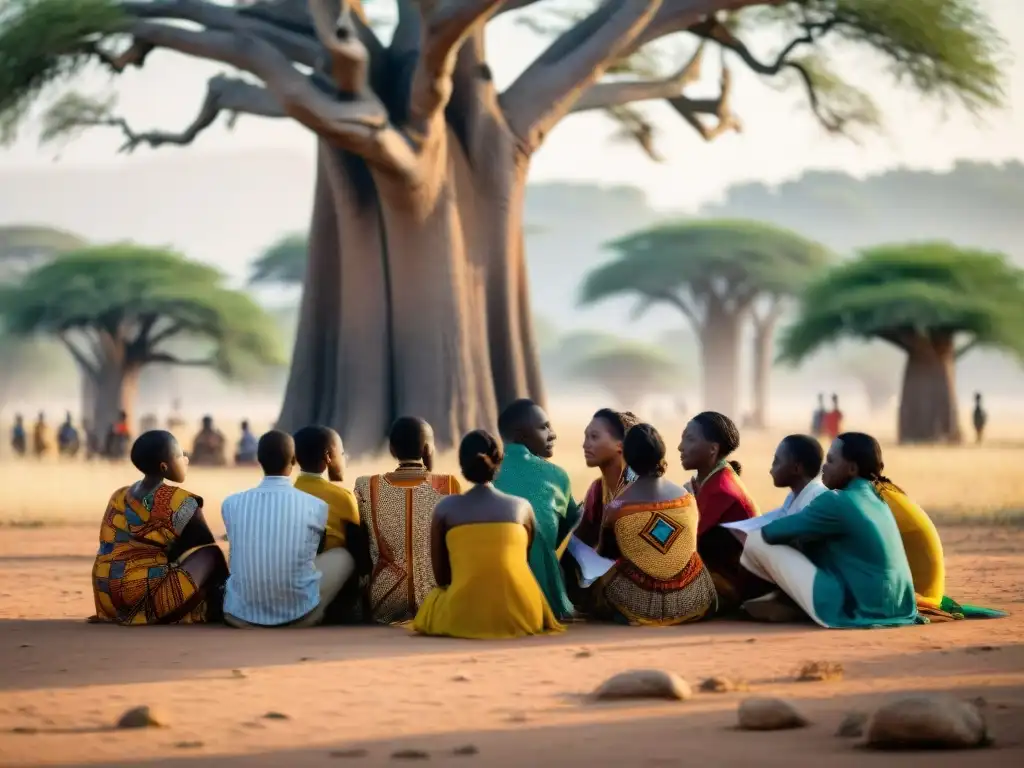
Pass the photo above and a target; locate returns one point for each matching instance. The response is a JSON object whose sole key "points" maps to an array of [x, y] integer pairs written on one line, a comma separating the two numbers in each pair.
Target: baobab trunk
{"points": [[413, 309], [928, 405], [720, 342], [114, 389], [764, 342]]}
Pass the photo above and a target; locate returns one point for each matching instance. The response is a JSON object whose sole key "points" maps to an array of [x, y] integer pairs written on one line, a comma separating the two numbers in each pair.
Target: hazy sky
{"points": [[779, 139]]}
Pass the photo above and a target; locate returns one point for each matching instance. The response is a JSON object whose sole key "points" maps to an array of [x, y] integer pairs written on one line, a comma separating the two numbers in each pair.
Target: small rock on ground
{"points": [[276, 716], [852, 726], [140, 717], [188, 744], [722, 685], [933, 721], [410, 754], [644, 684], [769, 715], [460, 679], [466, 751], [820, 672]]}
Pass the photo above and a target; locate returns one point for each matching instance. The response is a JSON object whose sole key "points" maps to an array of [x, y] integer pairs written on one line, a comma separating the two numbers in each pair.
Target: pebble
{"points": [[933, 721], [584, 654], [276, 716], [852, 726], [820, 672], [722, 685], [410, 754], [466, 751], [460, 679], [644, 684], [188, 745], [140, 717], [769, 715]]}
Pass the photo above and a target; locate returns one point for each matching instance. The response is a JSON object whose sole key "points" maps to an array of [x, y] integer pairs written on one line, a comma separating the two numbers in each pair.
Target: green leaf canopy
{"points": [[902, 293], [724, 258], [139, 299], [283, 262]]}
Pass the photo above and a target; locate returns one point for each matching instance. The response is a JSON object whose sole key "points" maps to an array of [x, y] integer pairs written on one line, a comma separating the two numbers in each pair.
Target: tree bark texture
{"points": [[114, 389], [720, 348], [928, 403], [764, 343]]}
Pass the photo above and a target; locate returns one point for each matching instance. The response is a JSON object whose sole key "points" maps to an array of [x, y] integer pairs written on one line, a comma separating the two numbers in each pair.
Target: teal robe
{"points": [[546, 486], [863, 577]]}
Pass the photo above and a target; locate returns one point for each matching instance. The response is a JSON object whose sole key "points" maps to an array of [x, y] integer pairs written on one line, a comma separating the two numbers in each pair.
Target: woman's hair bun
{"points": [[480, 456]]}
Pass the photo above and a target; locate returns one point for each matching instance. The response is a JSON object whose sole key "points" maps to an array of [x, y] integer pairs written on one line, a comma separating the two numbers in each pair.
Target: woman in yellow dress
{"points": [[479, 546]]}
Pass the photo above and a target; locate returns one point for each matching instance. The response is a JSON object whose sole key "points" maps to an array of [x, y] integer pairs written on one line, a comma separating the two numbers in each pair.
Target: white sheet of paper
{"points": [[754, 523], [592, 565]]}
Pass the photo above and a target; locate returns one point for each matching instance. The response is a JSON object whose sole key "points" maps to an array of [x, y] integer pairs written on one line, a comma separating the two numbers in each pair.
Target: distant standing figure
{"points": [[41, 437], [980, 417], [175, 420], [118, 438], [68, 441], [19, 440], [208, 447], [832, 423], [246, 455], [818, 417]]}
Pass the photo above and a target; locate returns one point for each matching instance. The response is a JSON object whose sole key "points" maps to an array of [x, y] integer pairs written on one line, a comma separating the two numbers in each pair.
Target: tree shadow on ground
{"points": [[699, 732]]}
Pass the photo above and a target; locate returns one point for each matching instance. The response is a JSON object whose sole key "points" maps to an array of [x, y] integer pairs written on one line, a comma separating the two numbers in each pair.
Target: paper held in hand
{"points": [[592, 565], [754, 523]]}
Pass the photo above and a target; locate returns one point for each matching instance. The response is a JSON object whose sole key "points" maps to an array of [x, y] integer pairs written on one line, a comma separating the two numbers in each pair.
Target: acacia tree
{"points": [[119, 308], [416, 298], [628, 372], [717, 273], [934, 302], [283, 262]]}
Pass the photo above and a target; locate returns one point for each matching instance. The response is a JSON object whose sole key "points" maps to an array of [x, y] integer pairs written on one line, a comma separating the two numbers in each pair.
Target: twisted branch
{"points": [[338, 34], [720, 107], [620, 93]]}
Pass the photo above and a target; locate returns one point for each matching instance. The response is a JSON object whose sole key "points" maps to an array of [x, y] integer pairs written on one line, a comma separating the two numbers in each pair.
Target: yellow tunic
{"points": [[494, 594], [920, 541], [342, 508]]}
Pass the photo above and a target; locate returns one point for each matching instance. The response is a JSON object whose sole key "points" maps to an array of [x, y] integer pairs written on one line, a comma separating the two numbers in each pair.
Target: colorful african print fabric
{"points": [[546, 486], [396, 511], [659, 578], [133, 581]]}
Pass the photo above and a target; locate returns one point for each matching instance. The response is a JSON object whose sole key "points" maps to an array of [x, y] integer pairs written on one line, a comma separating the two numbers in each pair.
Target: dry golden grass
{"points": [[955, 484]]}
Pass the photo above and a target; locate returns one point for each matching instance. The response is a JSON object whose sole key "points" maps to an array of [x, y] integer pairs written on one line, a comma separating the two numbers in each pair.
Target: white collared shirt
{"points": [[274, 532]]}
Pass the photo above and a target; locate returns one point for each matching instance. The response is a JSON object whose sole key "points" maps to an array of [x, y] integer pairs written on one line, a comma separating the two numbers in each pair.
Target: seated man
{"points": [[19, 439], [528, 473], [246, 455], [41, 437], [118, 438], [277, 578], [208, 447], [68, 441], [318, 450]]}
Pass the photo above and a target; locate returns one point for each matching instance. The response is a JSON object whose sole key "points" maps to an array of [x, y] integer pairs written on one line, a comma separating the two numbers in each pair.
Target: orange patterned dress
{"points": [[133, 581], [396, 510]]}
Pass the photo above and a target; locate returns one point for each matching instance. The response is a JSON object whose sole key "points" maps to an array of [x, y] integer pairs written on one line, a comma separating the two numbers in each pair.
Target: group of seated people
{"points": [[515, 554]]}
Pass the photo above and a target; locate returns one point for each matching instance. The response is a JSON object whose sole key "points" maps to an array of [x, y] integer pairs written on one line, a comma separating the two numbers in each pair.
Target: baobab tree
{"points": [[718, 274], [416, 298], [932, 301], [120, 308]]}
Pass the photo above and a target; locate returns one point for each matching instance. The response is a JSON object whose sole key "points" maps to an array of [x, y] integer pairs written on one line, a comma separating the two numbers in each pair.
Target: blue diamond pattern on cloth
{"points": [[662, 531]]}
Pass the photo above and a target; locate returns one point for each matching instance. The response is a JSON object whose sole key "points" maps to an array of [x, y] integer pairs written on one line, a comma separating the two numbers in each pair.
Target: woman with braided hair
{"points": [[708, 441]]}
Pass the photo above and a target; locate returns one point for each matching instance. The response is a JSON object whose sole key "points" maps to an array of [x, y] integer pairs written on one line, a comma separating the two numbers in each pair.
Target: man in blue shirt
{"points": [[277, 579]]}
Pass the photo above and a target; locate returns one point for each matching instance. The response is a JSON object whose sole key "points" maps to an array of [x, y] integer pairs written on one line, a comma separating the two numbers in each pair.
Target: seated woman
{"points": [[707, 443], [924, 552], [602, 449], [479, 550], [157, 563], [850, 569], [395, 511], [650, 531]]}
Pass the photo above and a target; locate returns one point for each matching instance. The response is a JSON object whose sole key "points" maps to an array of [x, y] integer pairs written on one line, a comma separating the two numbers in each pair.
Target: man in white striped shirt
{"points": [[277, 579]]}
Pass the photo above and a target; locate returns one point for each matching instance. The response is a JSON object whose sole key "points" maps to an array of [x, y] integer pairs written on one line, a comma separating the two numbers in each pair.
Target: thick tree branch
{"points": [[965, 348], [89, 366], [622, 92], [223, 94], [546, 91], [720, 107], [360, 125], [338, 34], [443, 30], [171, 330], [406, 39]]}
